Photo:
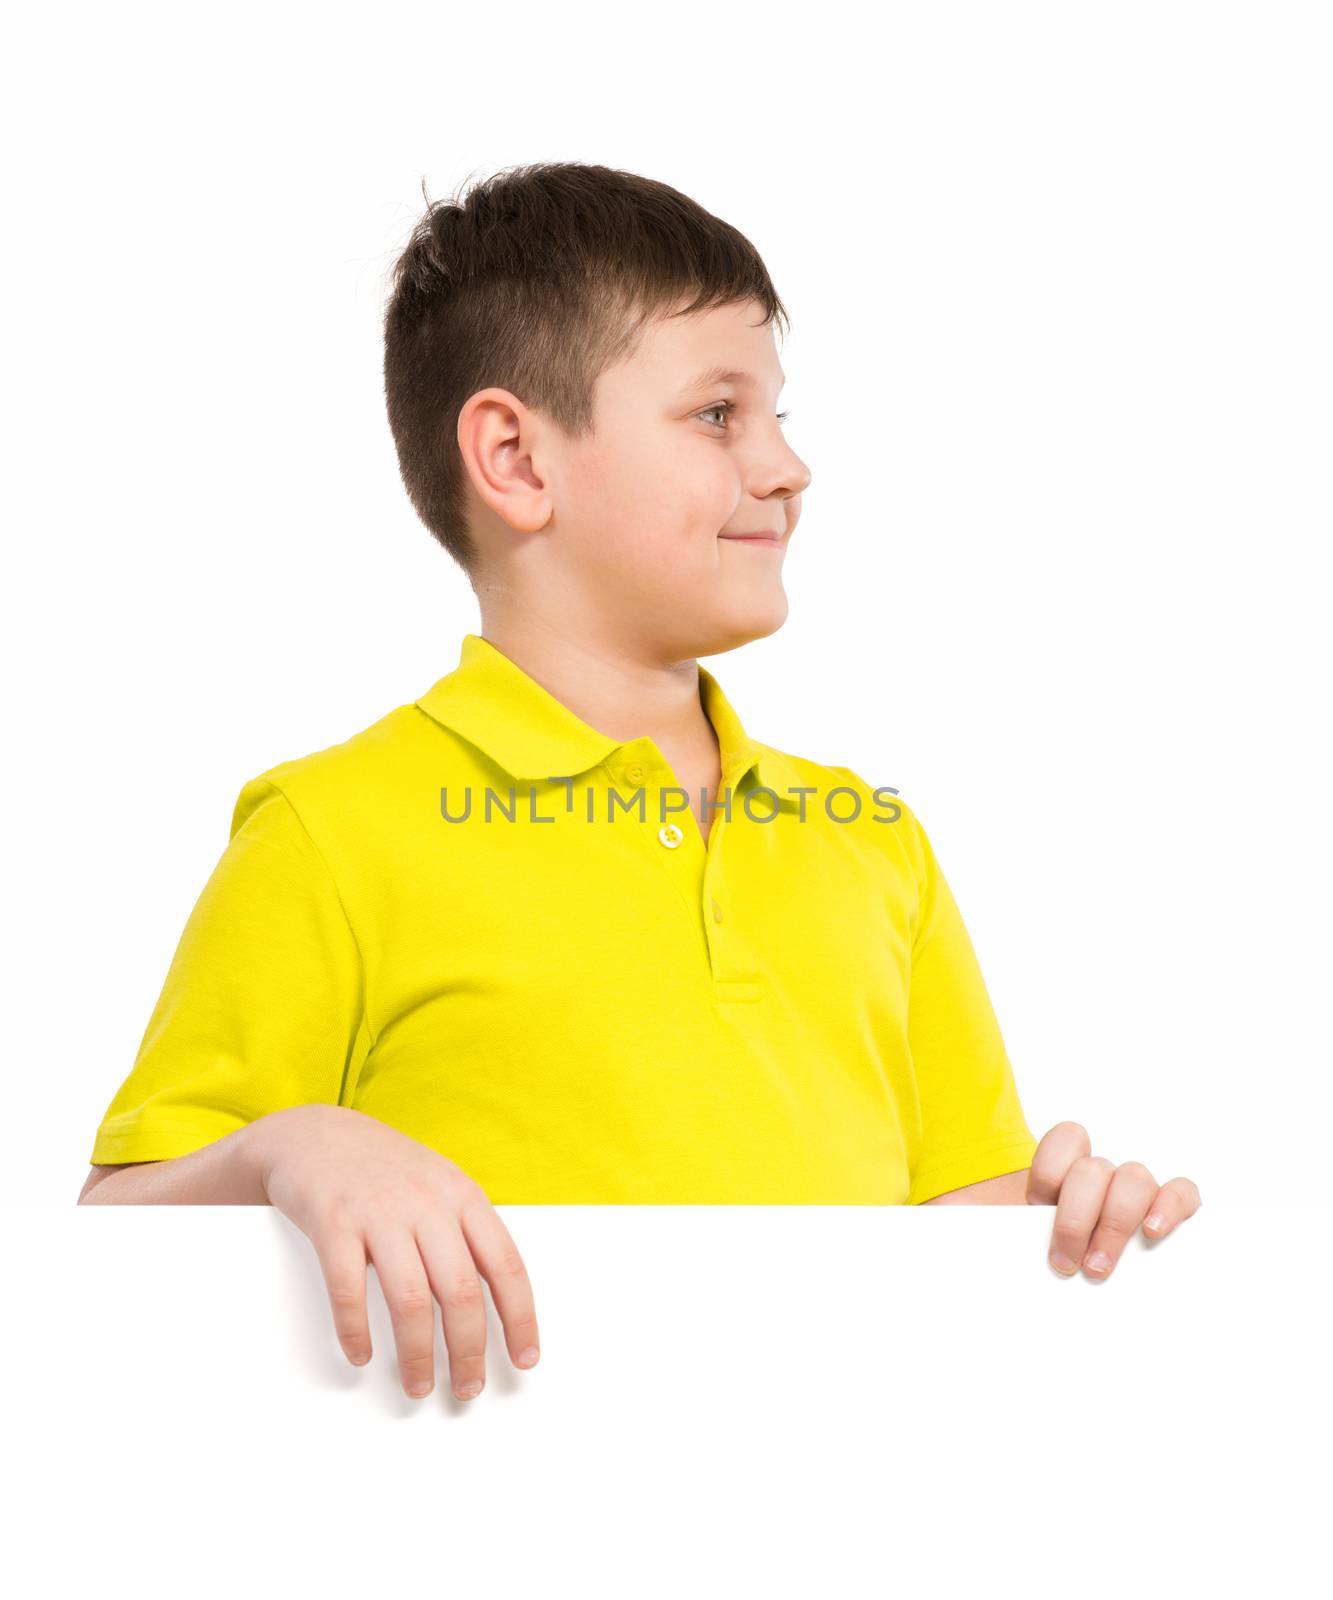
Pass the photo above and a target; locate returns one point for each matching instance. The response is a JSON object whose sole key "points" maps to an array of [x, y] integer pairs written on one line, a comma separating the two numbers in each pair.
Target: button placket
{"points": [[713, 864], [735, 979], [667, 840], [692, 861], [711, 911]]}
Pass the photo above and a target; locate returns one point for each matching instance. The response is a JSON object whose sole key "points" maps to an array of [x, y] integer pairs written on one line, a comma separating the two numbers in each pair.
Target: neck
{"points": [[606, 682]]}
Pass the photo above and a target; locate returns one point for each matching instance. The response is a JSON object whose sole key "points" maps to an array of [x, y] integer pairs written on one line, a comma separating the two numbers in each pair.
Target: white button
{"points": [[670, 835]]}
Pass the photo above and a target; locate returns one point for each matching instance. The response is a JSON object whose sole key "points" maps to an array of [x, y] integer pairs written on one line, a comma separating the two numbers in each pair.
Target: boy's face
{"points": [[641, 546]]}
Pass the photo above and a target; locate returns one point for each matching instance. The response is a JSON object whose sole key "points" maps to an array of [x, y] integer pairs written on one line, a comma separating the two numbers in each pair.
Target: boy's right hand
{"points": [[359, 1189]]}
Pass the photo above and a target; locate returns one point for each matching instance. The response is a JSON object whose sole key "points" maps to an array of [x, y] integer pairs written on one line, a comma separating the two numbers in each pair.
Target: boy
{"points": [[561, 931]]}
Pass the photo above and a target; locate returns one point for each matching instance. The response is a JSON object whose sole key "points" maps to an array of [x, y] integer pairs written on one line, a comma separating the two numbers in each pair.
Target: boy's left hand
{"points": [[1100, 1205]]}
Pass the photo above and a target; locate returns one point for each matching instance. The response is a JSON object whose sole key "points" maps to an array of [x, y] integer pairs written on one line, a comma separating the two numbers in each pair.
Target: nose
{"points": [[786, 477]]}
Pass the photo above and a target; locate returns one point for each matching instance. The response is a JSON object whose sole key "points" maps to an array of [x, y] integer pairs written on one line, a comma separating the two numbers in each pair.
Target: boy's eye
{"points": [[730, 405]]}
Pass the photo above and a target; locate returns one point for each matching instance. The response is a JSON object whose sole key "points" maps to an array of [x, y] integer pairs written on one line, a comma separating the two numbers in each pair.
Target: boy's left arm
{"points": [[1098, 1205]]}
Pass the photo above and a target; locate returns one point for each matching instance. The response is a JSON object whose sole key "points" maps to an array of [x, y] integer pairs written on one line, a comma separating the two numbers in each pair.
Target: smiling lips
{"points": [[753, 538]]}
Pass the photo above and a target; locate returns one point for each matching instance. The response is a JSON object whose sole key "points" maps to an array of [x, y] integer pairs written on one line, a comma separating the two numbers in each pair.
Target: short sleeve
{"points": [[263, 1001], [972, 1123]]}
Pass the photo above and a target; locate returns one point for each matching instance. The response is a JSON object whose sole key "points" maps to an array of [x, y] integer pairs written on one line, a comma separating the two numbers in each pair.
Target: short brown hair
{"points": [[536, 281]]}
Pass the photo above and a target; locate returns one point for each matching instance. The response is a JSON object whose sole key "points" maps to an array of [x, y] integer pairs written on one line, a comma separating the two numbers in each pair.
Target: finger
{"points": [[1077, 1211], [342, 1259], [1131, 1193], [499, 1262], [407, 1292], [454, 1281], [1176, 1200], [1056, 1153]]}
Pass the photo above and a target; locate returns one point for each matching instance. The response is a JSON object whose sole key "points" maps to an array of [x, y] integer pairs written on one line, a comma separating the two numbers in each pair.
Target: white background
{"points": [[1058, 276], [1059, 364]]}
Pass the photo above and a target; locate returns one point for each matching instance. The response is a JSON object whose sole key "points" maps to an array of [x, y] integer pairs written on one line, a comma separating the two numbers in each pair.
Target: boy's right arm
{"points": [[362, 1192], [223, 1173], [96, 1174], [264, 1006]]}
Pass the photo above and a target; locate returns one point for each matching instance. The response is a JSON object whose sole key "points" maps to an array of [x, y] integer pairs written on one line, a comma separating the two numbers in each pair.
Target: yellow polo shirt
{"points": [[562, 988]]}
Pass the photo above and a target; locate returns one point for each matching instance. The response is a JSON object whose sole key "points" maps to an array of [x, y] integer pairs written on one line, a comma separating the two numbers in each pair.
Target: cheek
{"points": [[650, 508], [672, 496]]}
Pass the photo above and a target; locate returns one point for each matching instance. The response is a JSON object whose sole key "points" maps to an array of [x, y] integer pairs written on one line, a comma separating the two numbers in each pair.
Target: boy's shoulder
{"points": [[407, 738], [375, 770], [839, 794], [810, 772], [359, 774]]}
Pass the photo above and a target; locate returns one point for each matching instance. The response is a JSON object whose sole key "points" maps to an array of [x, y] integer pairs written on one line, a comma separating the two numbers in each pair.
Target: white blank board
{"points": [[731, 1401]]}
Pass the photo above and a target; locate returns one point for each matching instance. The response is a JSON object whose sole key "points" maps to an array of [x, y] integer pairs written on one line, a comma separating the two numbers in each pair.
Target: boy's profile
{"points": [[560, 930]]}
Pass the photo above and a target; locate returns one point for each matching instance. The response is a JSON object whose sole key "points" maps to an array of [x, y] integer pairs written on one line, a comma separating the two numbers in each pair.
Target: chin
{"points": [[748, 619]]}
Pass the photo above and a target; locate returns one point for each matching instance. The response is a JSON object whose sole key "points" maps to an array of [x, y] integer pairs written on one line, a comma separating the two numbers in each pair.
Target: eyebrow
{"points": [[706, 380]]}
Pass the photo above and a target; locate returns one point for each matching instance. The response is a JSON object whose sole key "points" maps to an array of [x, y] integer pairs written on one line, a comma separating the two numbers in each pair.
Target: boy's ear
{"points": [[495, 436]]}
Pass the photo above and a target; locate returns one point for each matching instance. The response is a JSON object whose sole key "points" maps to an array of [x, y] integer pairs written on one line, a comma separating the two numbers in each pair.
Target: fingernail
{"points": [[529, 1357], [1155, 1222], [1098, 1261], [418, 1389], [470, 1388], [1064, 1264]]}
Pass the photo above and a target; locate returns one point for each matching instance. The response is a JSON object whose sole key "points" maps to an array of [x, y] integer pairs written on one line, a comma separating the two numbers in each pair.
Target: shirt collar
{"points": [[495, 705]]}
